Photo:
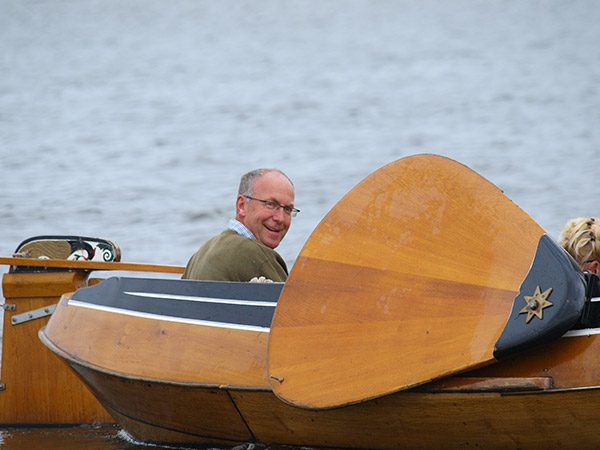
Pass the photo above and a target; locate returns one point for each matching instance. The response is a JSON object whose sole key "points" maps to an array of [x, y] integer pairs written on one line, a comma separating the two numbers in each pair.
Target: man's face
{"points": [[269, 226]]}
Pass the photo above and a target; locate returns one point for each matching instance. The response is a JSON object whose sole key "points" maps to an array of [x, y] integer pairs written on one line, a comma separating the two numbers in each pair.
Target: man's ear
{"points": [[592, 266], [240, 207]]}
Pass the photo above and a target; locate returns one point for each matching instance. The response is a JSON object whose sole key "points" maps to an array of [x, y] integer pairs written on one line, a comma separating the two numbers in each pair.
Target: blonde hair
{"points": [[581, 238]]}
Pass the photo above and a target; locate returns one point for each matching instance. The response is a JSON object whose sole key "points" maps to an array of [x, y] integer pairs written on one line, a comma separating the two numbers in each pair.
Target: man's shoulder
{"points": [[229, 238], [227, 235], [229, 242], [244, 243], [229, 256]]}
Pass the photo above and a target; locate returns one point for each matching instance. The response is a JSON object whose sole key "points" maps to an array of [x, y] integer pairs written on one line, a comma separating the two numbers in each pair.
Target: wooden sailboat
{"points": [[168, 377], [425, 311]]}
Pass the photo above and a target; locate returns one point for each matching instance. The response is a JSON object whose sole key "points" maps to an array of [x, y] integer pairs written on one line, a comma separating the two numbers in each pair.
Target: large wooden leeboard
{"points": [[410, 277]]}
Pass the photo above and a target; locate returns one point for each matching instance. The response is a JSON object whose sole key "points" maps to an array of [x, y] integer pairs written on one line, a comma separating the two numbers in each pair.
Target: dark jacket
{"points": [[231, 257]]}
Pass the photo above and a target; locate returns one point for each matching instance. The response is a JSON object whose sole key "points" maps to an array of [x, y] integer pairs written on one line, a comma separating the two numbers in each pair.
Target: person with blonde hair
{"points": [[580, 237]]}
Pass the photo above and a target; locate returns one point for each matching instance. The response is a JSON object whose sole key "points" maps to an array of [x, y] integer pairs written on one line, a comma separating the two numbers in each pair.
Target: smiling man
{"points": [[245, 251]]}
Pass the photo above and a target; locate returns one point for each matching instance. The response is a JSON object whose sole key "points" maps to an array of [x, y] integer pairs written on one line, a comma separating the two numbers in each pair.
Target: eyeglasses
{"points": [[274, 206]]}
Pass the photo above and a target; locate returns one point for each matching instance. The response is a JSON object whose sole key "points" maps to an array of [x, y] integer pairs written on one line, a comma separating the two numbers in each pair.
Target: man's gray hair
{"points": [[248, 179]]}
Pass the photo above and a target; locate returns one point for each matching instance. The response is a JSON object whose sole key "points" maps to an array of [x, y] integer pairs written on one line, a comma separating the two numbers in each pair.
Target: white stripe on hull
{"points": [[168, 318], [224, 301]]}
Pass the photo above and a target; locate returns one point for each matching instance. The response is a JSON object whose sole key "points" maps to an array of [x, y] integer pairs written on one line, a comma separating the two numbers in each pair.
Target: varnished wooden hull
{"points": [[545, 398], [154, 411], [36, 387]]}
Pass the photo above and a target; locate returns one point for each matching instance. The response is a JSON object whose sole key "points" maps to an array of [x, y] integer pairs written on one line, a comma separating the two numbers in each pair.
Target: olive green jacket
{"points": [[231, 257]]}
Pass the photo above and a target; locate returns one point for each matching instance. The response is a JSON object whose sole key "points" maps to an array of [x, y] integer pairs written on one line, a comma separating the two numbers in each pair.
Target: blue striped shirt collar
{"points": [[240, 229]]}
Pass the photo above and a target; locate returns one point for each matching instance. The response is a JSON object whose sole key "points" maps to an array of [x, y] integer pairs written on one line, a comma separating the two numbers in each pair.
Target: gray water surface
{"points": [[133, 120]]}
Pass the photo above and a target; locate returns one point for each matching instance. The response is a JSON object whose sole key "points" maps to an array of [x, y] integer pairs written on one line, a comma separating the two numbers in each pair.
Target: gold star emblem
{"points": [[536, 303]]}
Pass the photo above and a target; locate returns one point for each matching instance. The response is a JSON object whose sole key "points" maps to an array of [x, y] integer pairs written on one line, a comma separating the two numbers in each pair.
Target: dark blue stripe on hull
{"points": [[151, 296]]}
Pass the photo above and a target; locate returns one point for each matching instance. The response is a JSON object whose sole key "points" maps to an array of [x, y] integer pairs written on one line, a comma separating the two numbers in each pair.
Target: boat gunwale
{"points": [[48, 342], [420, 390]]}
